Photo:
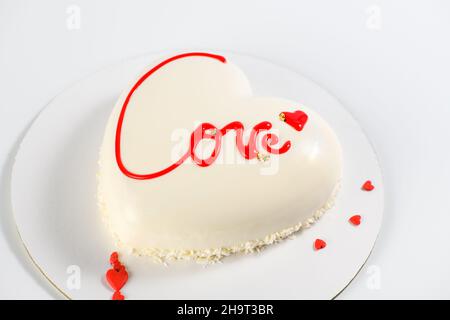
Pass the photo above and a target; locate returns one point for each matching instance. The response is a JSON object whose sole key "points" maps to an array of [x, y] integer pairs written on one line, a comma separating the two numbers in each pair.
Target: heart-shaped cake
{"points": [[193, 166]]}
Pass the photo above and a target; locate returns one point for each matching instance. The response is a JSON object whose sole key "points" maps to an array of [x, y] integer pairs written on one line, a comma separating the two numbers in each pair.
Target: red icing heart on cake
{"points": [[117, 277], [355, 220], [319, 244], [296, 119], [368, 186]]}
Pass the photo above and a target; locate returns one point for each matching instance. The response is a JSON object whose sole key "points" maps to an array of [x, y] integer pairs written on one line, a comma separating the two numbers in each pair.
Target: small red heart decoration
{"points": [[114, 258], [319, 244], [117, 266], [117, 278], [118, 296], [355, 220], [368, 186], [296, 119]]}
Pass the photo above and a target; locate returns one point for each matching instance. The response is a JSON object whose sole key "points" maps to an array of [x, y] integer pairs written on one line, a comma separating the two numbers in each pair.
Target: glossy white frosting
{"points": [[234, 205]]}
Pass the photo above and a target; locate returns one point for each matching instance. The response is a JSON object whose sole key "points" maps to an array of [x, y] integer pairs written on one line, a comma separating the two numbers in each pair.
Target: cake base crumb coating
{"points": [[214, 255]]}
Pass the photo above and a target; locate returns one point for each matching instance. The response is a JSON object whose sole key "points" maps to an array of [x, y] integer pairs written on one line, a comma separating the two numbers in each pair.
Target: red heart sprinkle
{"points": [[118, 296], [114, 258], [296, 119], [355, 220], [368, 186], [117, 266], [319, 244], [117, 278]]}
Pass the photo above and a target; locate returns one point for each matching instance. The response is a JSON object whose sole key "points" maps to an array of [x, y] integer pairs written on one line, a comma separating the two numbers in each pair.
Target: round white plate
{"points": [[54, 201]]}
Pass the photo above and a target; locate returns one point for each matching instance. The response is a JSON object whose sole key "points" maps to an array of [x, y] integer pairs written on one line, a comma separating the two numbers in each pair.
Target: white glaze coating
{"points": [[234, 205]]}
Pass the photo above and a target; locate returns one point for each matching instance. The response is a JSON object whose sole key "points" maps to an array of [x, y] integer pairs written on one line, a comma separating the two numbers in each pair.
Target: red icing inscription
{"points": [[209, 131]]}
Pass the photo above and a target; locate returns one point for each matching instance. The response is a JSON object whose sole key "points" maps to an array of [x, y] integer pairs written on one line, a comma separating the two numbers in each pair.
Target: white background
{"points": [[387, 61]]}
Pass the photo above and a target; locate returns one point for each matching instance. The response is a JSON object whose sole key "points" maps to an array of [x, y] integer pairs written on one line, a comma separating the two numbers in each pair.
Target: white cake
{"points": [[158, 201]]}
